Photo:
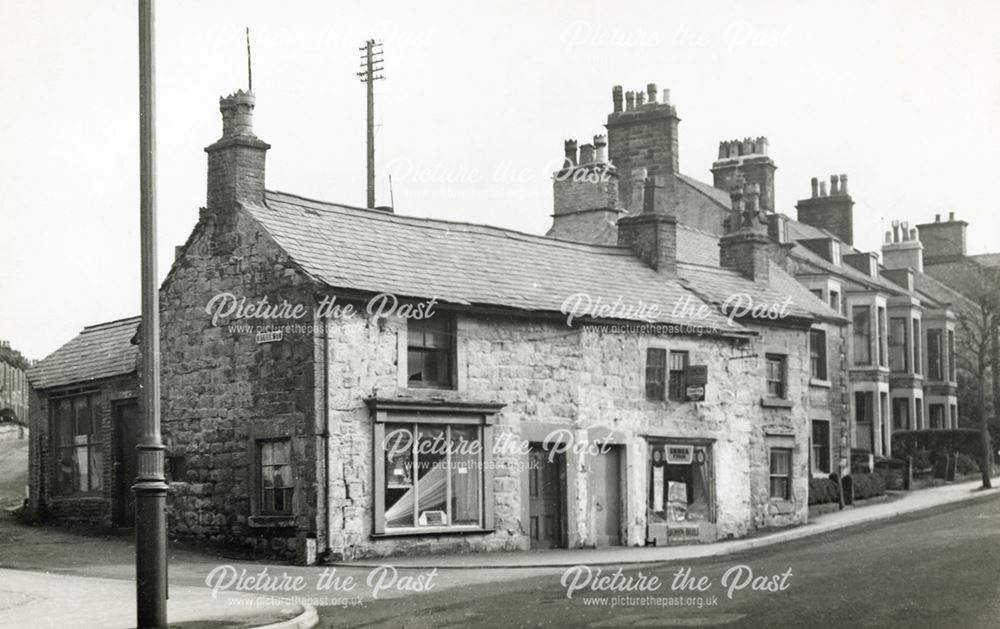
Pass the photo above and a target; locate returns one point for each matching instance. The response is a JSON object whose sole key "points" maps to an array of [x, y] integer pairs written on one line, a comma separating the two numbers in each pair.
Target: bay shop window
{"points": [[433, 467]]}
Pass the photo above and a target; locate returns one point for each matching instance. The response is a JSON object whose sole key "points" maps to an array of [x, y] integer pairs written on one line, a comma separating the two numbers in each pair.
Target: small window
{"points": [[835, 300], [656, 373], [781, 473], [817, 354], [775, 376], [276, 484], [820, 447], [431, 352], [678, 363]]}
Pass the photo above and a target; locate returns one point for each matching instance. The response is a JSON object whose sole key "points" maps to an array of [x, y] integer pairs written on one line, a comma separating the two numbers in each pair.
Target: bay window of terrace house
{"points": [[951, 356], [900, 413], [881, 337], [935, 366], [77, 449], [861, 331], [430, 352], [898, 345], [937, 416], [917, 357]]}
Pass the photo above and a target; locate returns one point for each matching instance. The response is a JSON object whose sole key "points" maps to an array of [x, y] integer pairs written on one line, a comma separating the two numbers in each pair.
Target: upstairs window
{"points": [[951, 356], [881, 337], [835, 300], [79, 454], [817, 354], [656, 373], [431, 352], [862, 333], [678, 385], [935, 368], [898, 345], [775, 376]]}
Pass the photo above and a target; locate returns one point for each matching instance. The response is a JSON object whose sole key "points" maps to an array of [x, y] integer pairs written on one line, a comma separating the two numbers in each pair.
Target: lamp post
{"points": [[150, 483]]}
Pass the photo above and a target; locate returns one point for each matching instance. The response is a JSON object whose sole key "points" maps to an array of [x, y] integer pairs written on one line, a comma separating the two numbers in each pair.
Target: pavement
{"points": [[899, 504], [55, 577]]}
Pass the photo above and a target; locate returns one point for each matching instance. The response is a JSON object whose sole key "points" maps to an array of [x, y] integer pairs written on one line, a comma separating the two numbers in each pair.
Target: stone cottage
{"points": [[82, 448], [346, 382]]}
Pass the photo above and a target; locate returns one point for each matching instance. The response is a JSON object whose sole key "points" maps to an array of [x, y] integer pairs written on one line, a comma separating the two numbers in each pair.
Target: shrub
{"points": [[966, 465], [823, 490], [868, 486], [964, 440]]}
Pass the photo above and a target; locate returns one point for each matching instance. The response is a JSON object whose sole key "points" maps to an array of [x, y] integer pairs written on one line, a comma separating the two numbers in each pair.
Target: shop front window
{"points": [[680, 502]]}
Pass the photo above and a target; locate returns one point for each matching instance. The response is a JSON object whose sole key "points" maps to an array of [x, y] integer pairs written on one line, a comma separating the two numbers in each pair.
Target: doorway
{"points": [[546, 497], [605, 488], [125, 416]]}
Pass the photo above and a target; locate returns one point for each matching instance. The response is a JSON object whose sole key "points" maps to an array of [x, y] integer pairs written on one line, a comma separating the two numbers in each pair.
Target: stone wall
{"points": [[222, 390]]}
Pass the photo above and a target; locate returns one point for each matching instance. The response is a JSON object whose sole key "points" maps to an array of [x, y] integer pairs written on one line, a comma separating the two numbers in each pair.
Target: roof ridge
{"points": [[492, 230], [107, 324]]}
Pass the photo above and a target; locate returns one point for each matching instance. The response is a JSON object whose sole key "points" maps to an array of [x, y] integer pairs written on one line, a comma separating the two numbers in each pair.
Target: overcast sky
{"points": [[902, 96]]}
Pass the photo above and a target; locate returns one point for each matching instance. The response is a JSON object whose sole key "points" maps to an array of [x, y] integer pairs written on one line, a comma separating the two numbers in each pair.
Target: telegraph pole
{"points": [[150, 484], [371, 64]]}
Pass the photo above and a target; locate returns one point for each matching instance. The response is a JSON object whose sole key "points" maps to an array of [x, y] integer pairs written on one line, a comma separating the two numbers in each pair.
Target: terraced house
{"points": [[321, 433]]}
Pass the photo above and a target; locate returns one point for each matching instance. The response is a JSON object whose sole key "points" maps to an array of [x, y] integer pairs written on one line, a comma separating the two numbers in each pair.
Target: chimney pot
{"points": [[951, 216], [629, 100], [651, 92], [834, 185], [815, 187], [616, 98], [601, 146], [843, 184], [666, 97], [888, 237], [586, 154], [913, 233], [822, 188], [569, 149], [937, 218], [640, 99]]}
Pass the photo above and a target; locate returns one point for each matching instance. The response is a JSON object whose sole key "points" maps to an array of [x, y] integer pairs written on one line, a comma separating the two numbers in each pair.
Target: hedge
{"points": [[910, 442], [868, 486], [823, 490]]}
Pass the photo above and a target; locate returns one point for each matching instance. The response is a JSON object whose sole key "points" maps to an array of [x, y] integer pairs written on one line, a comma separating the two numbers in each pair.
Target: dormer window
{"points": [[835, 251]]}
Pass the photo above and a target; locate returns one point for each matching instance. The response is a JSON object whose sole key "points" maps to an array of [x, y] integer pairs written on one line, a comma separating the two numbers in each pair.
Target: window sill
{"points": [[271, 521], [79, 498], [433, 530], [771, 402], [783, 506], [816, 382]]}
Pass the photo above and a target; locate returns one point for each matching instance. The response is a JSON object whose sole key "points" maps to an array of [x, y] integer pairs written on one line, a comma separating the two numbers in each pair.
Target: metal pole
{"points": [[371, 125], [150, 484]]}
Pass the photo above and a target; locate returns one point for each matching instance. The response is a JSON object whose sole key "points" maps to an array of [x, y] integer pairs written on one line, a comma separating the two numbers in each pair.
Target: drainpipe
{"points": [[326, 435]]}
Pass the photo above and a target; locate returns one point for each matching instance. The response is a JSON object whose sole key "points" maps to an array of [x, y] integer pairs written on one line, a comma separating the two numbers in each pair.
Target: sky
{"points": [[900, 95]]}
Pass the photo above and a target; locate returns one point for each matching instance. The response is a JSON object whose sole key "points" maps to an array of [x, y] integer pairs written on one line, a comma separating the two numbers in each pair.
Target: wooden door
{"points": [[605, 487], [545, 496]]}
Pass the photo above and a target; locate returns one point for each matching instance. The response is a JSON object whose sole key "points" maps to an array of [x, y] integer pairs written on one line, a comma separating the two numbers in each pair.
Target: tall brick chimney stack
{"points": [[651, 235], [748, 159], [943, 241], [642, 135], [746, 245], [236, 160], [585, 195], [833, 212]]}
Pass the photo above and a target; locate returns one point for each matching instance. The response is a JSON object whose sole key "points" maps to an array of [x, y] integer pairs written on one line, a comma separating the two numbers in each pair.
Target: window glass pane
{"points": [[466, 451], [861, 318], [656, 364], [64, 422], [95, 468], [678, 362], [81, 411], [432, 480], [267, 454], [780, 463], [399, 488]]}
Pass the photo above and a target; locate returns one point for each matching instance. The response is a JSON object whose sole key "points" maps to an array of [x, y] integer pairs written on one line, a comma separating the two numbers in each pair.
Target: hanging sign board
{"points": [[695, 379]]}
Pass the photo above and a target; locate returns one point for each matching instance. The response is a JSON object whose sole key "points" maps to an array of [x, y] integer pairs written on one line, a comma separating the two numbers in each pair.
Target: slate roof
{"points": [[716, 286], [459, 263], [697, 246], [99, 351]]}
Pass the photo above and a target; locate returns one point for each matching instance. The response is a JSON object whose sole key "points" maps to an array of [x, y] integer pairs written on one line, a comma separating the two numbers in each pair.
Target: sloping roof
{"points": [[717, 285], [720, 197], [459, 263], [938, 291], [99, 351], [987, 259], [697, 246]]}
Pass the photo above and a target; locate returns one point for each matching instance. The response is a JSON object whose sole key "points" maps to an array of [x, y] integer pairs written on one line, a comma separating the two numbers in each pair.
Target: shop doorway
{"points": [[681, 495], [605, 490], [546, 497]]}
